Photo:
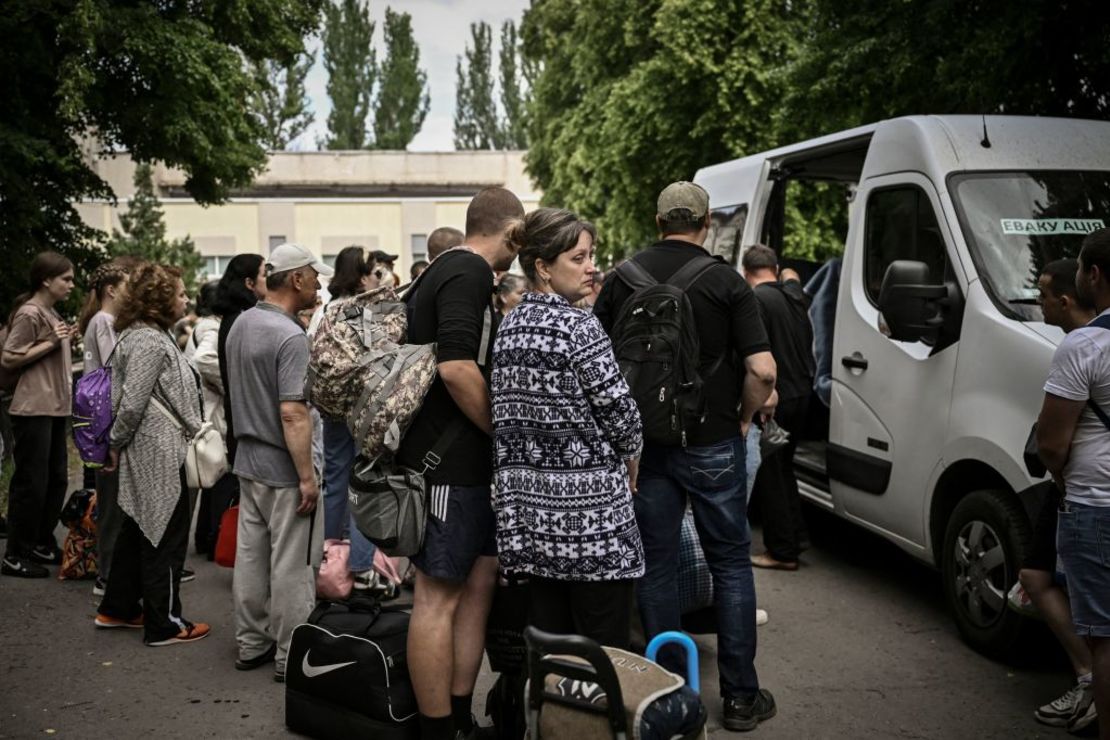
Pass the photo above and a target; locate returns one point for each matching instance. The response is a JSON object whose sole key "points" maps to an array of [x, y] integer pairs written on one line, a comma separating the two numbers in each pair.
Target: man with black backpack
{"points": [[687, 333]]}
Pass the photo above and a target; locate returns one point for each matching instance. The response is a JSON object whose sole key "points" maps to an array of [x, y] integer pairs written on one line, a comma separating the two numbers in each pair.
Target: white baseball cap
{"points": [[291, 256]]}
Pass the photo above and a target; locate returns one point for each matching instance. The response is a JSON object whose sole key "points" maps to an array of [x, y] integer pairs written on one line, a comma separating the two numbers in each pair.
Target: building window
{"points": [[419, 245], [214, 266], [276, 241]]}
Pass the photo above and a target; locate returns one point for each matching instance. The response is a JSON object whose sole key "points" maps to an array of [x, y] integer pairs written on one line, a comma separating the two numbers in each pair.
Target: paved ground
{"points": [[858, 647]]}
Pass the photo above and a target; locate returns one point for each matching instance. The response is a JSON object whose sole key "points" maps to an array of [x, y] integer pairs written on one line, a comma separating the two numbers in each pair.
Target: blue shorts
{"points": [[1083, 541], [461, 528]]}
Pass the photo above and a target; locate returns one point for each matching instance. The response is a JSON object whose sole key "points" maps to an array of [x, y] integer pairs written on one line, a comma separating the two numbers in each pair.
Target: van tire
{"points": [[985, 525]]}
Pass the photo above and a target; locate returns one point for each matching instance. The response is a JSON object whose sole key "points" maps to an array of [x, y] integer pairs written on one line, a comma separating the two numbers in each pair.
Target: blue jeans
{"points": [[1083, 541], [339, 456], [714, 477]]}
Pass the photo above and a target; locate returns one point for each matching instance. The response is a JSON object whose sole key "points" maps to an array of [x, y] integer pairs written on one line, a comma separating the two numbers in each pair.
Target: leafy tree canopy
{"points": [[165, 80], [280, 100], [403, 100], [477, 125], [351, 64], [628, 95], [144, 233]]}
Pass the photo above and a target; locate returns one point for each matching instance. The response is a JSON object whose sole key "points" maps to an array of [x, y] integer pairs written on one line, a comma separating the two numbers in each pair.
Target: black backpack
{"points": [[656, 342]]}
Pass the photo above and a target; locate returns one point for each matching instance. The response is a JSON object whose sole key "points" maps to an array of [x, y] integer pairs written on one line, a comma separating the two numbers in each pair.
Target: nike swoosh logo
{"points": [[312, 671]]}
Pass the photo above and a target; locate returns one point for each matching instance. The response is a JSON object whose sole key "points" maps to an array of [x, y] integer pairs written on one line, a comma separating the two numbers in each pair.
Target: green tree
{"points": [[165, 81], [352, 70], [514, 133], [144, 232], [633, 94], [403, 100], [867, 60], [280, 101], [476, 121]]}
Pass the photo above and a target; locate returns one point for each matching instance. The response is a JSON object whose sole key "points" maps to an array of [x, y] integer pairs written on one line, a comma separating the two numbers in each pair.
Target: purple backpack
{"points": [[92, 416]]}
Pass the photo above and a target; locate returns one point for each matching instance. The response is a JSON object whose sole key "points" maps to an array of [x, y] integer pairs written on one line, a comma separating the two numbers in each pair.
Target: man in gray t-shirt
{"points": [[267, 338], [267, 360]]}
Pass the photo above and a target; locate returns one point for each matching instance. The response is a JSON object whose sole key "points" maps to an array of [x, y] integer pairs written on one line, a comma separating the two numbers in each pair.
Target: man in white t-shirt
{"points": [[1073, 439]]}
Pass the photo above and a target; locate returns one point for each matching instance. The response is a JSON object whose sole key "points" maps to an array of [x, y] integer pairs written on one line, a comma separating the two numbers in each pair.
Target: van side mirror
{"points": [[910, 303]]}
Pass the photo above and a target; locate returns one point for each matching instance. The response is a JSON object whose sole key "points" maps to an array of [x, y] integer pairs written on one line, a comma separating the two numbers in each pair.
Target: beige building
{"points": [[325, 201]]}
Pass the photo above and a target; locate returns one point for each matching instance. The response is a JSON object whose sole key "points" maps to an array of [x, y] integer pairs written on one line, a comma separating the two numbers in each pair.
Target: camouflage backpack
{"points": [[362, 371]]}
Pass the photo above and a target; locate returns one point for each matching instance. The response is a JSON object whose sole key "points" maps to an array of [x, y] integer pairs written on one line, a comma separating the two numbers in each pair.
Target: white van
{"points": [[939, 352]]}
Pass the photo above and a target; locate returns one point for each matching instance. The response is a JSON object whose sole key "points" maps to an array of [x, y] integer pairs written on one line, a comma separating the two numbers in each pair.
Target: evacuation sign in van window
{"points": [[1051, 226]]}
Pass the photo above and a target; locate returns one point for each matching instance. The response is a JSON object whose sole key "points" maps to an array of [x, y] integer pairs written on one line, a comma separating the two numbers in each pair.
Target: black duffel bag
{"points": [[347, 674]]}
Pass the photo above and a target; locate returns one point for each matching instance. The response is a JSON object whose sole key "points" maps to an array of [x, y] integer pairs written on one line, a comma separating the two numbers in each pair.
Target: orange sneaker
{"points": [[191, 633], [103, 621]]}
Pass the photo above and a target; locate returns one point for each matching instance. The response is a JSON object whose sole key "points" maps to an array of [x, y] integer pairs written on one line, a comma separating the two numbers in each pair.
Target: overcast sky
{"points": [[442, 30]]}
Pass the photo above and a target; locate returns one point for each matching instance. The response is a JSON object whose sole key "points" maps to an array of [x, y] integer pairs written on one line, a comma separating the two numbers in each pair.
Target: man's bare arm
{"points": [[1055, 430], [296, 426], [467, 387], [759, 384]]}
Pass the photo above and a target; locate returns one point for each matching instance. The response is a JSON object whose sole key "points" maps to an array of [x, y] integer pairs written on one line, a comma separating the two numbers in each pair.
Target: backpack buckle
{"points": [[431, 461]]}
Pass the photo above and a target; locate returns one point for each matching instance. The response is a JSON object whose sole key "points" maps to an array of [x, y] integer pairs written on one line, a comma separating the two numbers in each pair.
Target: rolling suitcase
{"points": [[347, 676], [579, 689]]}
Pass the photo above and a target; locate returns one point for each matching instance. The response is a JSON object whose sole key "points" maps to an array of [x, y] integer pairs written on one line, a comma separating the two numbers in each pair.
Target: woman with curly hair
{"points": [[156, 403]]}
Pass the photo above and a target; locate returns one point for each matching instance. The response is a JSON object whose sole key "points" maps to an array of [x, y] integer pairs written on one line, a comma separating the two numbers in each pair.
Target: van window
{"points": [[725, 232], [901, 225]]}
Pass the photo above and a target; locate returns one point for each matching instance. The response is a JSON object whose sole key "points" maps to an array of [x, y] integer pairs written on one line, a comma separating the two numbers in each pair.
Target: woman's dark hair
{"points": [[544, 234], [232, 294], [206, 298], [151, 293], [350, 268], [45, 266]]}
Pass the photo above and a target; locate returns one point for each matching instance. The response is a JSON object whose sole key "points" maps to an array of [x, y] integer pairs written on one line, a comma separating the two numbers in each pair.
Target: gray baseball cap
{"points": [[683, 196], [291, 256]]}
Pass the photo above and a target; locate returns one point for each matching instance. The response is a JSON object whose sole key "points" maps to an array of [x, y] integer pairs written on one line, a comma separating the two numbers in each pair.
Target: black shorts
{"points": [[461, 528], [1042, 548]]}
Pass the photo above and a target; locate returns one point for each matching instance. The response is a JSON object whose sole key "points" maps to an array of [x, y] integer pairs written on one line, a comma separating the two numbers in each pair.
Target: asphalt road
{"points": [[858, 646]]}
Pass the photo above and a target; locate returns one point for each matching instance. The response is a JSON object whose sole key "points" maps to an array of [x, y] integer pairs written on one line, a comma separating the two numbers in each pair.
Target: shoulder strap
{"points": [[635, 276], [434, 456], [1102, 321], [689, 273]]}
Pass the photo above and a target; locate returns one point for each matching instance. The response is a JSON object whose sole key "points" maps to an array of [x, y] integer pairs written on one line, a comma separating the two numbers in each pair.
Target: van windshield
{"points": [[1017, 222]]}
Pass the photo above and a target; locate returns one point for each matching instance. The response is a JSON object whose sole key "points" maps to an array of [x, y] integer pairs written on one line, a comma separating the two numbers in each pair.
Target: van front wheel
{"points": [[984, 545]]}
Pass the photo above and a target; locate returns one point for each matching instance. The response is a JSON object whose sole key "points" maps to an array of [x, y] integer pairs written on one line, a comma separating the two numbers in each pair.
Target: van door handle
{"points": [[855, 362]]}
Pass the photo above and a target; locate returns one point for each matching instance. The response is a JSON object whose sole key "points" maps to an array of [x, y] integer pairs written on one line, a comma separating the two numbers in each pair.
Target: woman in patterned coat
{"points": [[156, 403], [567, 440]]}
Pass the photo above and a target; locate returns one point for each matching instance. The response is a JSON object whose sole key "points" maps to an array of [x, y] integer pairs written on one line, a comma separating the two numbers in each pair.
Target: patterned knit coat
{"points": [[564, 421], [152, 450]]}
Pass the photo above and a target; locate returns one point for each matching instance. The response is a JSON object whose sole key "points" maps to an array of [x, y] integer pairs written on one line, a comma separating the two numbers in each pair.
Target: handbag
{"points": [[205, 456], [389, 502], [228, 539]]}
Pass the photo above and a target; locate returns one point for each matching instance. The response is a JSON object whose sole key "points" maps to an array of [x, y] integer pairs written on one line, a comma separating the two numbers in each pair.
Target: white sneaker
{"points": [[761, 617]]}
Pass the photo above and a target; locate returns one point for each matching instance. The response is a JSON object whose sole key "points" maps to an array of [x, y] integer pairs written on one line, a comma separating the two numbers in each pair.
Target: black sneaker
{"points": [[742, 715], [258, 660], [187, 575], [22, 568], [46, 556]]}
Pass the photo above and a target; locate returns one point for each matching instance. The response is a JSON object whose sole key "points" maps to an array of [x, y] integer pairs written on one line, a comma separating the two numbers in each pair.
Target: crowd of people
{"points": [[554, 466]]}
